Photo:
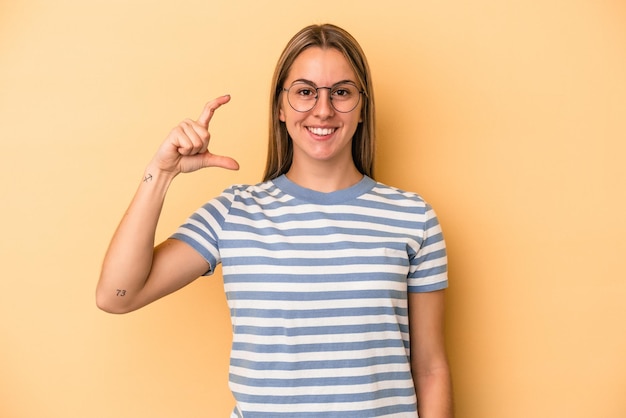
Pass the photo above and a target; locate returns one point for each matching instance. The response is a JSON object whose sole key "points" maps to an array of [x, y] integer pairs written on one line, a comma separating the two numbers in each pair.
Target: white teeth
{"points": [[321, 131]]}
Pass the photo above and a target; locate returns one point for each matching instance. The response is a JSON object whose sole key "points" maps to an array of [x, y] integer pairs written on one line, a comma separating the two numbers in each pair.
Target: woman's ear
{"points": [[281, 114]]}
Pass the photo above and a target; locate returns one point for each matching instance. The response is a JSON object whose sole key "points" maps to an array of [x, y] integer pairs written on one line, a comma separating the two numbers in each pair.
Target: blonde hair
{"points": [[280, 148]]}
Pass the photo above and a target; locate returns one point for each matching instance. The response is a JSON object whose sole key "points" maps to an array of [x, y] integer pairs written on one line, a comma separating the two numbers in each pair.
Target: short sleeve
{"points": [[429, 266], [202, 229]]}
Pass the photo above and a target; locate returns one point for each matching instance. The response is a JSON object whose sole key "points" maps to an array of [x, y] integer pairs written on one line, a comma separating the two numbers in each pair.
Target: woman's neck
{"points": [[325, 178]]}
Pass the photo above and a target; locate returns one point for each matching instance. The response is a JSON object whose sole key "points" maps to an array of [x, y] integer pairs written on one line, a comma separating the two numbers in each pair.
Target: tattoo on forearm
{"points": [[147, 178], [121, 292]]}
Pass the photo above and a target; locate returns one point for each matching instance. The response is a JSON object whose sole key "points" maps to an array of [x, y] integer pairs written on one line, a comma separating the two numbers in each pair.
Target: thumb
{"points": [[212, 160]]}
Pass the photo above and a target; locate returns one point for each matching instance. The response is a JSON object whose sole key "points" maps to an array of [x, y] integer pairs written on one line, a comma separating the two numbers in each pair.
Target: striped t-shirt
{"points": [[317, 289]]}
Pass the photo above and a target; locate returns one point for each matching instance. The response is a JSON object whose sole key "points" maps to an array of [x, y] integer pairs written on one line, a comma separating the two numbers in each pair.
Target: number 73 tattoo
{"points": [[121, 292]]}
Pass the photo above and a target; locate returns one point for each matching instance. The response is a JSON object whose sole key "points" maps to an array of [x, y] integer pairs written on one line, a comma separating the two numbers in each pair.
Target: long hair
{"points": [[280, 147]]}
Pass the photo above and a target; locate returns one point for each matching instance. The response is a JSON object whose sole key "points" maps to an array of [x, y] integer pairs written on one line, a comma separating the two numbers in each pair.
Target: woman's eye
{"points": [[343, 92]]}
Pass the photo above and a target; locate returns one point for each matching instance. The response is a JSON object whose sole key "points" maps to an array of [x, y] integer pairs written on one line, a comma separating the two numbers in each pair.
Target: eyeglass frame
{"points": [[317, 94]]}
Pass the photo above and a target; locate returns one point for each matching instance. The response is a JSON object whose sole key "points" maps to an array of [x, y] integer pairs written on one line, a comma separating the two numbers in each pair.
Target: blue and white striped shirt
{"points": [[317, 289]]}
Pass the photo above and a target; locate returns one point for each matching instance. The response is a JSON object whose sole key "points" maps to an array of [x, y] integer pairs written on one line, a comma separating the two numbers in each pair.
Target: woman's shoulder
{"points": [[262, 193], [397, 195], [247, 189]]}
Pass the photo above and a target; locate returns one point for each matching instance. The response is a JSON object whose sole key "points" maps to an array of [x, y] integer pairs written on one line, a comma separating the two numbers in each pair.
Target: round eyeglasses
{"points": [[344, 96]]}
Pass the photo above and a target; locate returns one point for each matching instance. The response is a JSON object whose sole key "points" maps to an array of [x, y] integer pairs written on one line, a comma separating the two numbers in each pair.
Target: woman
{"points": [[334, 281]]}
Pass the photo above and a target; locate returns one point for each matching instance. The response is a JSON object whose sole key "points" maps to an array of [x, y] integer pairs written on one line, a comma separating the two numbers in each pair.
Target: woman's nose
{"points": [[324, 106]]}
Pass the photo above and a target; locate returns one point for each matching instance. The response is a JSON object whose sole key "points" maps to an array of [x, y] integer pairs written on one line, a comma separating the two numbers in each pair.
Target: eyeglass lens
{"points": [[344, 97]]}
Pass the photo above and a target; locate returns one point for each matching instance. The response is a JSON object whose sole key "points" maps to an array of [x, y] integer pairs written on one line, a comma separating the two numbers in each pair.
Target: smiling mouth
{"points": [[321, 131]]}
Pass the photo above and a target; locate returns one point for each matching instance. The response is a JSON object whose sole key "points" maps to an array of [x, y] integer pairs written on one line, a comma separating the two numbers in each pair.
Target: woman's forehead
{"points": [[321, 67]]}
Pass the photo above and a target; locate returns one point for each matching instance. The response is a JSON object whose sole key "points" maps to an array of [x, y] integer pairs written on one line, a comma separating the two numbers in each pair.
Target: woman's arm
{"points": [[134, 272], [429, 363]]}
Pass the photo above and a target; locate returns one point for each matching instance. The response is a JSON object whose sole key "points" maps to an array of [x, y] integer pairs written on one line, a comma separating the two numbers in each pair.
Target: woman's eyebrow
{"points": [[305, 81]]}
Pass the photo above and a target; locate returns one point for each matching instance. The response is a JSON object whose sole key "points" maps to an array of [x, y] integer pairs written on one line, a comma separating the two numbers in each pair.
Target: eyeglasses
{"points": [[344, 96]]}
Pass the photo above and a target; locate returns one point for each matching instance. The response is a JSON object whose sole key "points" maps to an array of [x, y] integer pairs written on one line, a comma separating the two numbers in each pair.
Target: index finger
{"points": [[209, 109]]}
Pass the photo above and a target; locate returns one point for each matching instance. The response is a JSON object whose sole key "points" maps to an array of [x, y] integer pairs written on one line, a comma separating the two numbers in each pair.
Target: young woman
{"points": [[334, 281]]}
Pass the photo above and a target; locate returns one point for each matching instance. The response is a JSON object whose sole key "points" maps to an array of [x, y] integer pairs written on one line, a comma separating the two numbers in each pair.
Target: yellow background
{"points": [[508, 116]]}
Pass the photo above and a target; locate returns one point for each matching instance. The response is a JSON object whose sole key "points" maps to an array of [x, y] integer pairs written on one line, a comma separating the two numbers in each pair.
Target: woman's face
{"points": [[322, 133]]}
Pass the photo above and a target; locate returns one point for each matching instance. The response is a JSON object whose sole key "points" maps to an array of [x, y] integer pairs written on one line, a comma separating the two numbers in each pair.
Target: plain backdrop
{"points": [[507, 116]]}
